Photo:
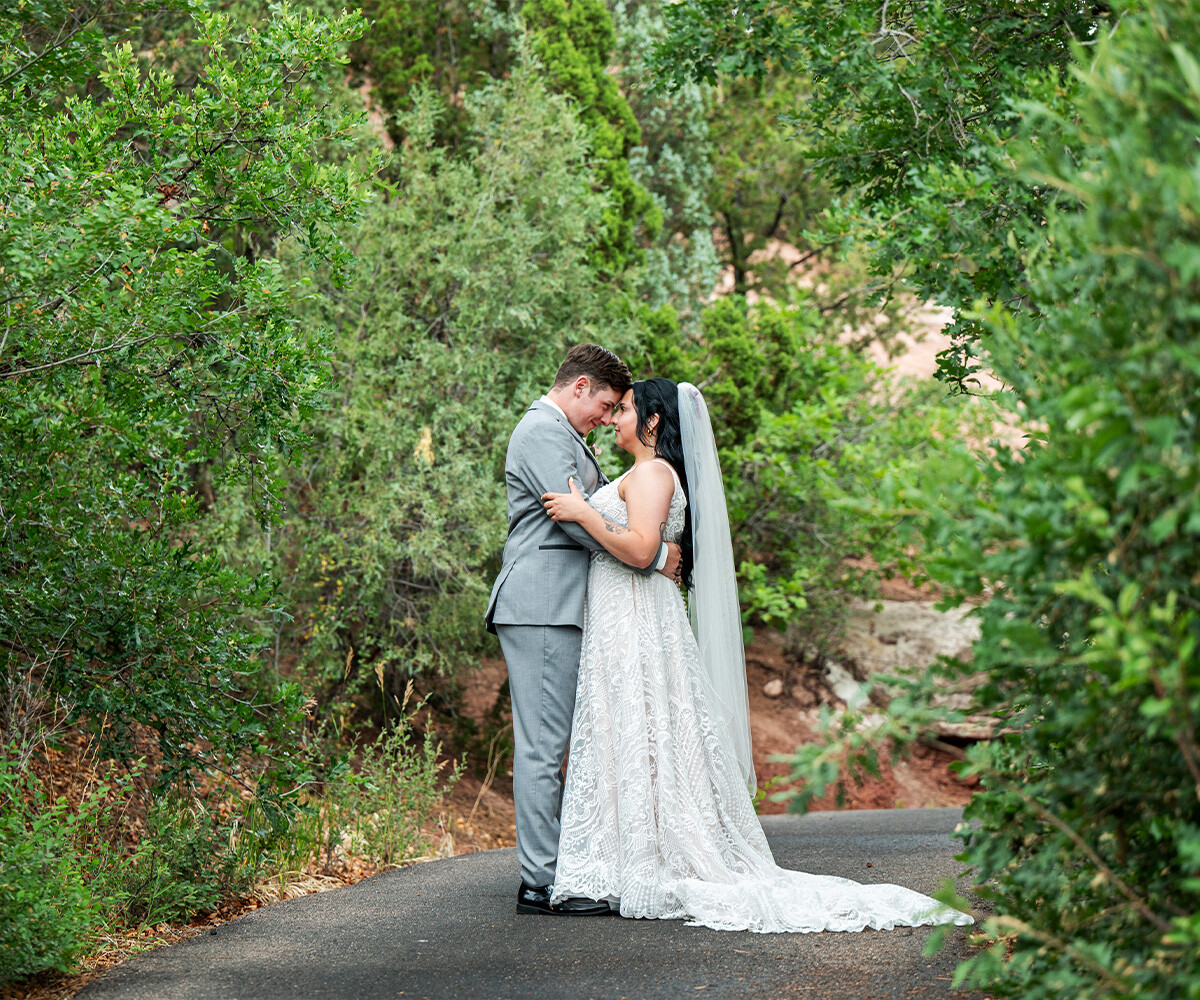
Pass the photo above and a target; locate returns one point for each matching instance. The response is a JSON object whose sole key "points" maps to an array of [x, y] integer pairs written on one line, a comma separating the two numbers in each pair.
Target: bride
{"points": [[657, 816]]}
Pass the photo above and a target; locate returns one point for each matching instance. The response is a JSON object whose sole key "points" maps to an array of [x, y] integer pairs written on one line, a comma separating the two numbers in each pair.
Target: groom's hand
{"points": [[671, 567], [570, 506]]}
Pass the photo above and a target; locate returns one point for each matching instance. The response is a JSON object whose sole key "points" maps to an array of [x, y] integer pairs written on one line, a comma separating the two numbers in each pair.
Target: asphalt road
{"points": [[448, 929]]}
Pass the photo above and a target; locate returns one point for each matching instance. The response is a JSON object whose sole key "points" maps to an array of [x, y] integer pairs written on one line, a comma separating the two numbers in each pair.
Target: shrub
{"points": [[149, 353], [183, 864], [47, 910], [1090, 822], [1087, 829], [810, 431], [389, 801], [379, 811]]}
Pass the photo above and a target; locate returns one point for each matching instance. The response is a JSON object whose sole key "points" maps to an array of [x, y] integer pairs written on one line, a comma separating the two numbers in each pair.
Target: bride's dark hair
{"points": [[660, 397]]}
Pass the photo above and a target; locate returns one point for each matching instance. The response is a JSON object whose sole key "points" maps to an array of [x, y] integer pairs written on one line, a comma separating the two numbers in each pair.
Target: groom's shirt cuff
{"points": [[662, 557]]}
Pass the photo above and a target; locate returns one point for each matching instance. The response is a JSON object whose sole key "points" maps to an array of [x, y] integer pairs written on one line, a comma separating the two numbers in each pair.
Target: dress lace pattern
{"points": [[655, 815]]}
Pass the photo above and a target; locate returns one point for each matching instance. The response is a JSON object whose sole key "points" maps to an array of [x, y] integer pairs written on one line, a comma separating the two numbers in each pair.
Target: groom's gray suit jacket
{"points": [[543, 578]]}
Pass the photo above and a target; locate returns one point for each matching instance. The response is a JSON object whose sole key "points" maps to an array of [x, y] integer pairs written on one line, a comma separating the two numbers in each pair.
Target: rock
{"points": [[975, 727], [809, 718], [844, 685], [803, 697], [773, 688], [892, 637], [906, 634], [871, 720]]}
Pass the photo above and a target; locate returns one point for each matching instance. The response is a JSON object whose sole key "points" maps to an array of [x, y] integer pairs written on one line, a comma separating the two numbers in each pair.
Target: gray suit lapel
{"points": [[564, 422]]}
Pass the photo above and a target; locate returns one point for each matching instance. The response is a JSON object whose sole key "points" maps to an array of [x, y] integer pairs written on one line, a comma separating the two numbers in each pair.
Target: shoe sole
{"points": [[539, 911]]}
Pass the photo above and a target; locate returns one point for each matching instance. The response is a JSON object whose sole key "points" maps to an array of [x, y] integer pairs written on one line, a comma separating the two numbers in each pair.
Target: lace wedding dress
{"points": [[656, 817]]}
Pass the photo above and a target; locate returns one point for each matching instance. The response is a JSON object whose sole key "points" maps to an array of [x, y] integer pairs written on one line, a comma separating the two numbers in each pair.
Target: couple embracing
{"points": [[642, 694]]}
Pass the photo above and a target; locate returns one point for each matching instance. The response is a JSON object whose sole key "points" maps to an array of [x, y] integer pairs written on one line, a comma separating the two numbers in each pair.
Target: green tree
{"points": [[573, 39], [1088, 823], [460, 45], [453, 46], [149, 353], [1091, 643], [474, 277], [910, 110], [808, 429], [674, 163], [763, 190]]}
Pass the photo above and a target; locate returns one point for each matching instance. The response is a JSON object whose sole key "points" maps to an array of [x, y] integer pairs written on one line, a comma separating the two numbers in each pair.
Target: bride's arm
{"points": [[647, 493]]}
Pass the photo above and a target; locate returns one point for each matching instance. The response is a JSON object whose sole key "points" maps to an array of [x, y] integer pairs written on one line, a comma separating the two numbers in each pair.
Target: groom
{"points": [[536, 607]]}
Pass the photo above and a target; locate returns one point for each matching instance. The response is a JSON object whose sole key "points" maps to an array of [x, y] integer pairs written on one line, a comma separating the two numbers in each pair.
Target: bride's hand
{"points": [[565, 506]]}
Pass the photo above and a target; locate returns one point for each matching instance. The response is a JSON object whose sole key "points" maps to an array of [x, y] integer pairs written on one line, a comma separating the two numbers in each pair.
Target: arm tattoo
{"points": [[615, 529]]}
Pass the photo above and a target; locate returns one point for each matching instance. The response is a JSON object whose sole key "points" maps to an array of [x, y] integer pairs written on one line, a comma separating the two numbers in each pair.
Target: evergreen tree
{"points": [[453, 46], [474, 276], [674, 162], [574, 40]]}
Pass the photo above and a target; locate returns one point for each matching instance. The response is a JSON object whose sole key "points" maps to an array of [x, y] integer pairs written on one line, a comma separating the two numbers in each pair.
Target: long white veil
{"points": [[713, 602]]}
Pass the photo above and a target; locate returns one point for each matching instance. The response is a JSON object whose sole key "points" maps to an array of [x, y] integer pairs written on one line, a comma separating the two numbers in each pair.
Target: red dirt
{"points": [[779, 725]]}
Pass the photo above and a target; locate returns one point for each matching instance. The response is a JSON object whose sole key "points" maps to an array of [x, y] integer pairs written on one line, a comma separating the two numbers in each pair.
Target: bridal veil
{"points": [[713, 608]]}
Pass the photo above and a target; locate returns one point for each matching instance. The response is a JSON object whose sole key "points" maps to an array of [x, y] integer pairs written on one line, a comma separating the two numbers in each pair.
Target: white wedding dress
{"points": [[656, 817]]}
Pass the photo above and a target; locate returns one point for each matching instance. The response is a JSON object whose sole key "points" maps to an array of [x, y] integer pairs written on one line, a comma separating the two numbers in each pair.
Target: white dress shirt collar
{"points": [[550, 402]]}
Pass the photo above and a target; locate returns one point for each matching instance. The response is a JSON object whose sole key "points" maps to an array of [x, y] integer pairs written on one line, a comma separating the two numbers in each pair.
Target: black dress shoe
{"points": [[536, 899]]}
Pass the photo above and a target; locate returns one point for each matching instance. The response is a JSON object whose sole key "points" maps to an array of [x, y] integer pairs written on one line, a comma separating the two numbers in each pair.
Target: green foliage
{"points": [[1090, 644], [380, 811], [387, 804], [455, 47], [1088, 825], [46, 908], [763, 189], [808, 430], [729, 37], [50, 47], [149, 353], [573, 40], [910, 109], [68, 874], [449, 46], [183, 864], [674, 163], [61, 880], [475, 277]]}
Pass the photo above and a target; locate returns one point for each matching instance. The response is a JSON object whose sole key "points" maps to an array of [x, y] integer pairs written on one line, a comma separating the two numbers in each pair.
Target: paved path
{"points": [[447, 930]]}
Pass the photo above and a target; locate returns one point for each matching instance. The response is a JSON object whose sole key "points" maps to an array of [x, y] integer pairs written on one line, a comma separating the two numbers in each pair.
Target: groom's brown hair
{"points": [[599, 364]]}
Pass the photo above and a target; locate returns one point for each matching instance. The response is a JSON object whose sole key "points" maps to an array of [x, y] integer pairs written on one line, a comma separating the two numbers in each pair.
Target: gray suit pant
{"points": [[543, 668]]}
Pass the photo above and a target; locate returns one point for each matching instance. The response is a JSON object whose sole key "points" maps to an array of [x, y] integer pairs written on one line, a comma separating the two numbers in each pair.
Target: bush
{"points": [[389, 801], [47, 910], [68, 872], [379, 811], [149, 353], [1090, 822], [810, 431], [1087, 829], [183, 864]]}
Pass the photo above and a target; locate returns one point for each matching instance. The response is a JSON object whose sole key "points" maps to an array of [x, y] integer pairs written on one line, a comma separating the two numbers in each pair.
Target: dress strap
{"points": [[668, 465]]}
